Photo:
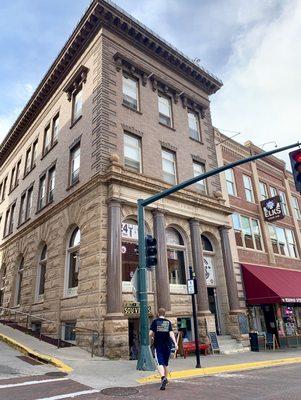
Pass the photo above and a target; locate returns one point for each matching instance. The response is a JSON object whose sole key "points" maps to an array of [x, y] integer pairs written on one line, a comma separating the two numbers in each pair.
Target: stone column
{"points": [[229, 271], [114, 272], [162, 277], [198, 266], [206, 320], [115, 325]]}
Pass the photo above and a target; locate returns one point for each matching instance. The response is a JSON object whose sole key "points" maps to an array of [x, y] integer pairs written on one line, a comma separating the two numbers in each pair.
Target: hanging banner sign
{"points": [[272, 209]]}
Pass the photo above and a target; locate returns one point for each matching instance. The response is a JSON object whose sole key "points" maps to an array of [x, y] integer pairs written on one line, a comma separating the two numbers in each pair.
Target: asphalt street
{"points": [[20, 380]]}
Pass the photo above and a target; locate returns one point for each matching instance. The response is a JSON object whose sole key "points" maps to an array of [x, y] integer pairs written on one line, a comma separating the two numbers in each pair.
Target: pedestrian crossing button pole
{"points": [[192, 290]]}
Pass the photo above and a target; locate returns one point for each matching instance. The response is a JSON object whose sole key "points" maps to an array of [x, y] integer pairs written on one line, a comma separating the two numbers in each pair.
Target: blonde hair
{"points": [[161, 312]]}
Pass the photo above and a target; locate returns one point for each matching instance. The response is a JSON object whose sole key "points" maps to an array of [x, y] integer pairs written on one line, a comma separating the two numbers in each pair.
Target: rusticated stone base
{"points": [[116, 341], [205, 323], [234, 329]]}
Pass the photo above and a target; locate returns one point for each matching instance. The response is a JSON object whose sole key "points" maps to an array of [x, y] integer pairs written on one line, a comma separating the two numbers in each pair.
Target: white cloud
{"points": [[262, 82]]}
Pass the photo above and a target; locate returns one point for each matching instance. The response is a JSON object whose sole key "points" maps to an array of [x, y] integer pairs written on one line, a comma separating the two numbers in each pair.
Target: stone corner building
{"points": [[120, 115]]}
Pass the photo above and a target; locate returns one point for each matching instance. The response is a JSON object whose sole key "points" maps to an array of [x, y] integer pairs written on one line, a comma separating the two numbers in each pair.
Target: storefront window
{"points": [[130, 258], [175, 257]]}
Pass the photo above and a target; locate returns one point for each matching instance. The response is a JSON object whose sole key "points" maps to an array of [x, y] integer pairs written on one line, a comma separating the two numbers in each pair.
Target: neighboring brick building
{"points": [[256, 242], [120, 115]]}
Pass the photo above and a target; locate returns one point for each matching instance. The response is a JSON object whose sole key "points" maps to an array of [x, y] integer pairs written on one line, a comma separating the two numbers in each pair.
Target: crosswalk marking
{"points": [[70, 395], [10, 385]]}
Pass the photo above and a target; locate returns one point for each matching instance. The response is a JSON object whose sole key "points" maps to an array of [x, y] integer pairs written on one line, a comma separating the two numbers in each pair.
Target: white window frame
{"points": [[229, 173], [71, 292], [194, 134], [169, 115], [164, 152], [240, 229], [74, 178], [137, 148], [273, 191], [287, 245], [202, 185], [19, 279], [178, 288], [296, 208], [284, 205], [128, 104], [248, 186], [263, 190], [77, 98]]}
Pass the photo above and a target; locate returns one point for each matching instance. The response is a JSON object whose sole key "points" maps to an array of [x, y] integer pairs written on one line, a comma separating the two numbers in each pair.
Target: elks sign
{"points": [[272, 209]]}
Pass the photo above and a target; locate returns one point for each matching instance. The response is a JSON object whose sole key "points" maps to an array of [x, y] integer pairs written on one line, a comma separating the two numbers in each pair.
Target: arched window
{"points": [[129, 243], [207, 246], [73, 262], [19, 281], [41, 273], [176, 257]]}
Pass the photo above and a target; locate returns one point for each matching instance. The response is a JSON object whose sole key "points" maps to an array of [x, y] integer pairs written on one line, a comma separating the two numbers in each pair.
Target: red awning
{"points": [[266, 285]]}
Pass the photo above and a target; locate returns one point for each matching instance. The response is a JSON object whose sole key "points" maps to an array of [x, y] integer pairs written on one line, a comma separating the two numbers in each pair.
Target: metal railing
{"points": [[7, 313]]}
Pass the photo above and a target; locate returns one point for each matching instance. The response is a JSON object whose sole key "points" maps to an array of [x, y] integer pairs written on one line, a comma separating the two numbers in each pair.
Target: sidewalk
{"points": [[100, 373]]}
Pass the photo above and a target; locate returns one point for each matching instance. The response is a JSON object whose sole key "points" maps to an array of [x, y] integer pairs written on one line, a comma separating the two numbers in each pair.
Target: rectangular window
{"points": [[283, 241], [295, 204], [199, 169], [4, 189], [55, 128], [11, 219], [27, 161], [12, 179], [247, 232], [263, 191], [51, 184], [1, 187], [22, 212], [47, 139], [70, 332], [169, 167], [42, 192], [283, 203], [17, 173], [28, 203], [248, 188], [34, 154], [77, 105], [74, 164], [132, 152], [230, 182], [273, 191], [6, 223], [165, 113], [130, 92], [194, 125]]}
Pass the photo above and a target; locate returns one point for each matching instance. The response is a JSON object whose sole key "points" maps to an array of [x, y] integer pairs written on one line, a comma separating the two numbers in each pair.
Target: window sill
{"points": [[196, 140], [129, 169], [132, 109], [167, 126], [38, 302], [72, 185], [6, 236], [177, 288], [254, 250], [48, 151], [287, 257], [75, 121], [43, 208], [12, 189], [66, 297], [28, 172], [23, 223]]}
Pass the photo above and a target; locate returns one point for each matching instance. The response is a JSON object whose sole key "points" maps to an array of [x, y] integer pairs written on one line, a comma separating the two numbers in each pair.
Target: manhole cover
{"points": [[56, 374], [119, 391]]}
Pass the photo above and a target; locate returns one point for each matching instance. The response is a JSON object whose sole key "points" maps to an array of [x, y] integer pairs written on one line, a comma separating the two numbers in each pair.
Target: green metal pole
{"points": [[145, 358]]}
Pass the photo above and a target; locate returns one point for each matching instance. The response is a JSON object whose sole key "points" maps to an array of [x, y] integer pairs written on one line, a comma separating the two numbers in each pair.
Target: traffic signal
{"points": [[295, 157], [151, 251]]}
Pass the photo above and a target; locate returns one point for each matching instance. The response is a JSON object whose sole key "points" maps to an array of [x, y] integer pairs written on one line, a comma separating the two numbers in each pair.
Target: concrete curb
{"points": [[193, 373], [34, 354]]}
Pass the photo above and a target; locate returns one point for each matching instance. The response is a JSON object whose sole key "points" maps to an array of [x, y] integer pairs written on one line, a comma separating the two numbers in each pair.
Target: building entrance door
{"points": [[270, 319], [213, 307], [133, 338]]}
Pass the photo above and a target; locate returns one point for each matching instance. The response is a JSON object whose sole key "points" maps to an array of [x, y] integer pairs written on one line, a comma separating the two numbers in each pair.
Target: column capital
{"points": [[194, 221], [224, 228], [158, 211], [114, 202]]}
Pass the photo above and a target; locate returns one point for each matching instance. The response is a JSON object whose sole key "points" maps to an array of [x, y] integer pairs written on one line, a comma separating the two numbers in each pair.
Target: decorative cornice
{"points": [[168, 146], [103, 13]]}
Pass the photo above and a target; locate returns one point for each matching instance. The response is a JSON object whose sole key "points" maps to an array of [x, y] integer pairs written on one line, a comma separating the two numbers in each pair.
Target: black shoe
{"points": [[163, 383]]}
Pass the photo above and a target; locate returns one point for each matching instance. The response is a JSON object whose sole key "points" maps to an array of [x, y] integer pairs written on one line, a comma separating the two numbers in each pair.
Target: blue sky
{"points": [[251, 45]]}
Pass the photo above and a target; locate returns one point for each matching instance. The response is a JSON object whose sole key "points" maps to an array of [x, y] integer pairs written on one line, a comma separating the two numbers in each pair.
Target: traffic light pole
{"points": [[145, 359]]}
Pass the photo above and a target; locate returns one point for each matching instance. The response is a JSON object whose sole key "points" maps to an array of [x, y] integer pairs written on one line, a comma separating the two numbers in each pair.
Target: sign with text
{"points": [[131, 308], [272, 209], [191, 286], [129, 231]]}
